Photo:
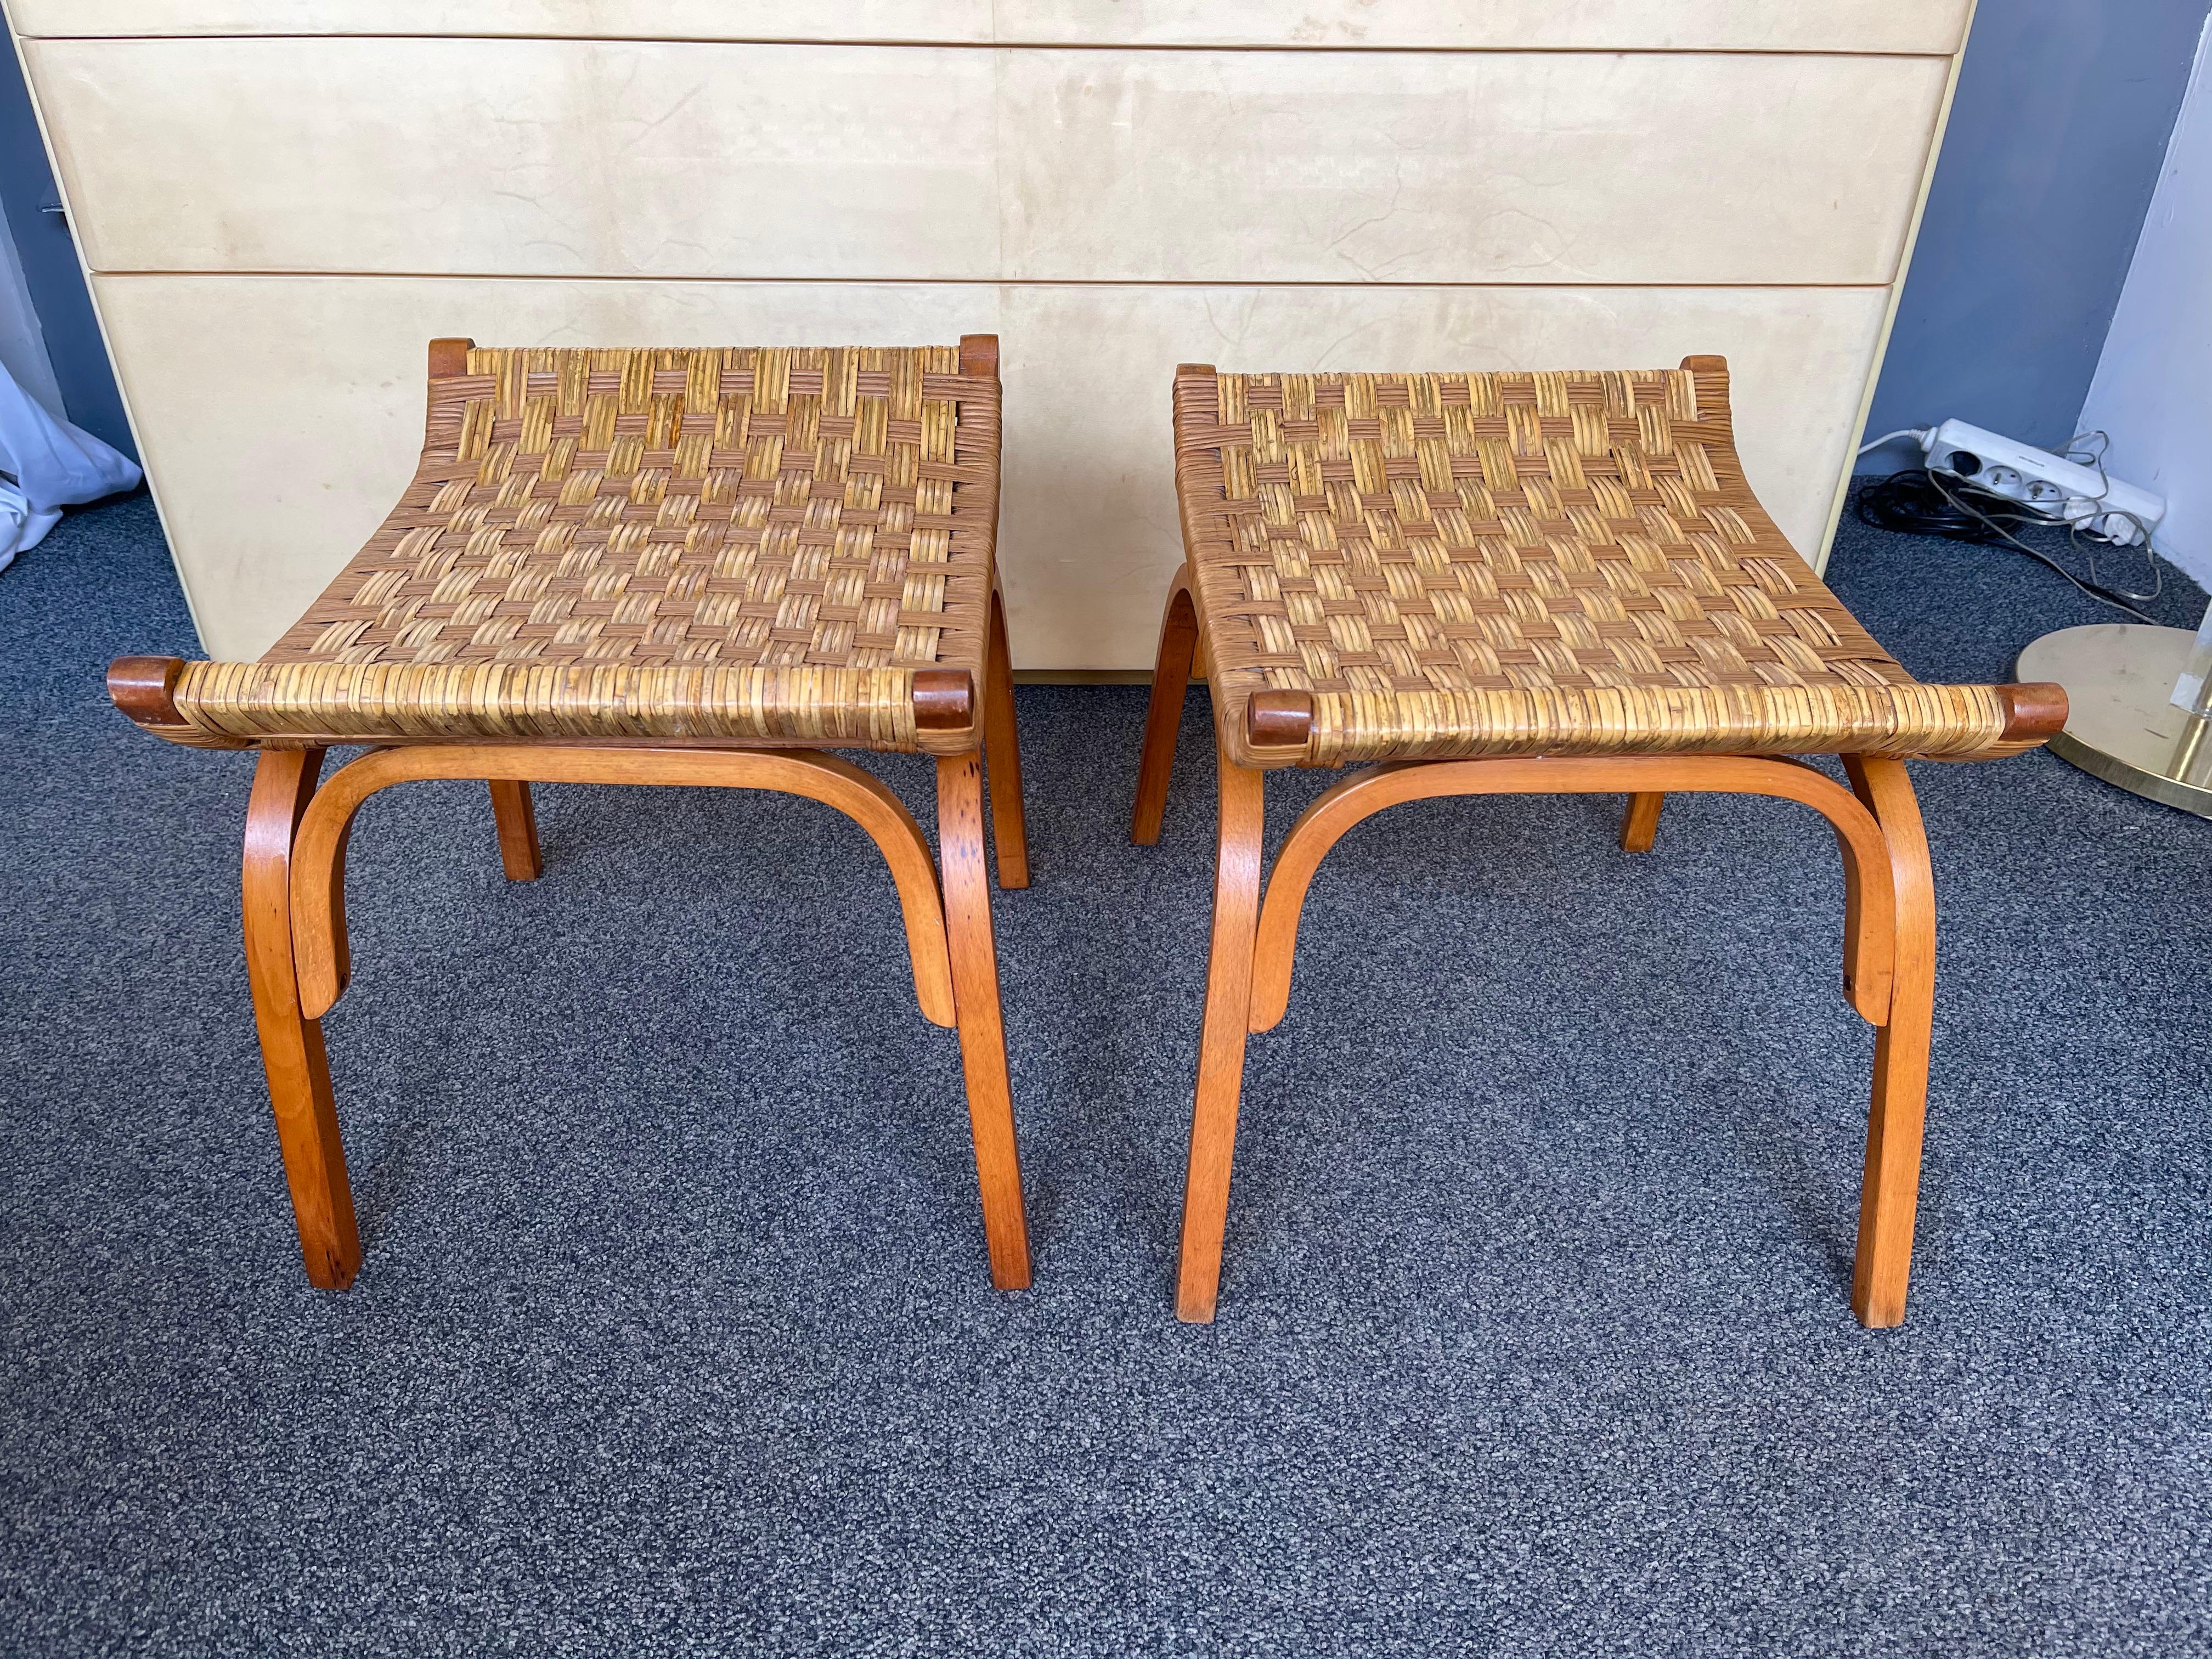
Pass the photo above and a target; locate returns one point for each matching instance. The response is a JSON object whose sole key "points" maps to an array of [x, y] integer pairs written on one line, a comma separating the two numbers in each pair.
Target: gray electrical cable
{"points": [[1915, 432], [2118, 598]]}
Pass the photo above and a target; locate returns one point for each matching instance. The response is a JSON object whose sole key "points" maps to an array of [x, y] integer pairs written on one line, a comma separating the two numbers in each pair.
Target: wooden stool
{"points": [[1533, 583], [643, 567]]}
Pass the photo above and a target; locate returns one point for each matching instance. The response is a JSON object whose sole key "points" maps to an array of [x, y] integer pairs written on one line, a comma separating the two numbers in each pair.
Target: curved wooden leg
{"points": [[1163, 717], [518, 829], [1641, 826], [1002, 747], [1890, 1191], [1221, 1046], [975, 1002], [292, 1044]]}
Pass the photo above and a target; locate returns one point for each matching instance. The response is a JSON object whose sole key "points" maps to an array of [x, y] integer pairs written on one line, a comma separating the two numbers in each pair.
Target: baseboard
{"points": [[1087, 677]]}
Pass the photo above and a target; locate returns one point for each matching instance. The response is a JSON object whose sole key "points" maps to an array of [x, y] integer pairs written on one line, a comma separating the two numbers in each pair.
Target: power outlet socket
{"points": [[2066, 489]]}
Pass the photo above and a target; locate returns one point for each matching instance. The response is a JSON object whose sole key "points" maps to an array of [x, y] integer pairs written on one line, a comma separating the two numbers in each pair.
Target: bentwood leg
{"points": [[1002, 746], [1221, 1045], [1890, 1191], [292, 1044], [1163, 716], [518, 829], [1641, 826], [975, 1002]]}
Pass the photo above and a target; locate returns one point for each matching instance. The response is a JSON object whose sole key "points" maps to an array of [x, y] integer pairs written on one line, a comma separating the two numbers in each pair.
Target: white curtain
{"points": [[46, 464]]}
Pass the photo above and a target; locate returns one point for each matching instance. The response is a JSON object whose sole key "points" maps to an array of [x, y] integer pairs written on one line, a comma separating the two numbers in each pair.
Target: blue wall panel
{"points": [[2061, 122]]}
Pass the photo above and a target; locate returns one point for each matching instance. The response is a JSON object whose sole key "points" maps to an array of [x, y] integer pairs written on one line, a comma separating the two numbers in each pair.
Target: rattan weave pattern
{"points": [[1520, 564], [757, 545]]}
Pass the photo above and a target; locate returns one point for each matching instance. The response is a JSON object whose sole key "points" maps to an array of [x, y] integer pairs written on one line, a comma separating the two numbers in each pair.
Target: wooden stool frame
{"points": [[1889, 933], [299, 964]]}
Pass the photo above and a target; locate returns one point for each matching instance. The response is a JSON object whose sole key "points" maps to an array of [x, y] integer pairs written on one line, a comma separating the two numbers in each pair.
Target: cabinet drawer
{"points": [[526, 157], [597, 159], [1461, 167]]}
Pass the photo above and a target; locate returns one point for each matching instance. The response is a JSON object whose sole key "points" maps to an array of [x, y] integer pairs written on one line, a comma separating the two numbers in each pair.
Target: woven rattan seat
{"points": [[752, 546], [1503, 584], [1419, 566], [644, 566]]}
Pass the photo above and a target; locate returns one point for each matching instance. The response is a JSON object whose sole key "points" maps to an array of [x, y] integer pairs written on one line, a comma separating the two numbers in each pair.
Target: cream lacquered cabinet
{"points": [[281, 201]]}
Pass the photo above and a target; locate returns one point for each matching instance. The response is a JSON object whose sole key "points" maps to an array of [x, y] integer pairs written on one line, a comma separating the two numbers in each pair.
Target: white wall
{"points": [[2153, 390]]}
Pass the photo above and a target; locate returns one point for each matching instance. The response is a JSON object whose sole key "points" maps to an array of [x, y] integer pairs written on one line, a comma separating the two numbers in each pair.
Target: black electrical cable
{"points": [[1919, 502], [1910, 503]]}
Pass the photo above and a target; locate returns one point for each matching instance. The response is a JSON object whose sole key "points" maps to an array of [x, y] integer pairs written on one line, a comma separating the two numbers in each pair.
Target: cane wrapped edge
{"points": [[786, 547], [1431, 566]]}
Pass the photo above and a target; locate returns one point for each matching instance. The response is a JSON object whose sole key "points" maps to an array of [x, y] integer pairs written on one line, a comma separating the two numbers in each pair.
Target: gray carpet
{"points": [[674, 1334]]}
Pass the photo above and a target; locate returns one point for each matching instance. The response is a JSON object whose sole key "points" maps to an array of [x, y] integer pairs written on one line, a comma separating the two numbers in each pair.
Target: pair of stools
{"points": [[709, 567]]}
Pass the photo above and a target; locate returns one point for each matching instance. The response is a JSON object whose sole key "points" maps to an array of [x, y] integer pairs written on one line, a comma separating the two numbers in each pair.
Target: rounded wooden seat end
{"points": [[2034, 713], [1278, 720], [145, 689], [944, 699], [449, 358], [979, 355]]}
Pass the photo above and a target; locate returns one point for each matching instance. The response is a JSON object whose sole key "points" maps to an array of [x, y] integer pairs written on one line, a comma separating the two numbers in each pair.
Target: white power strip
{"points": [[2068, 491]]}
